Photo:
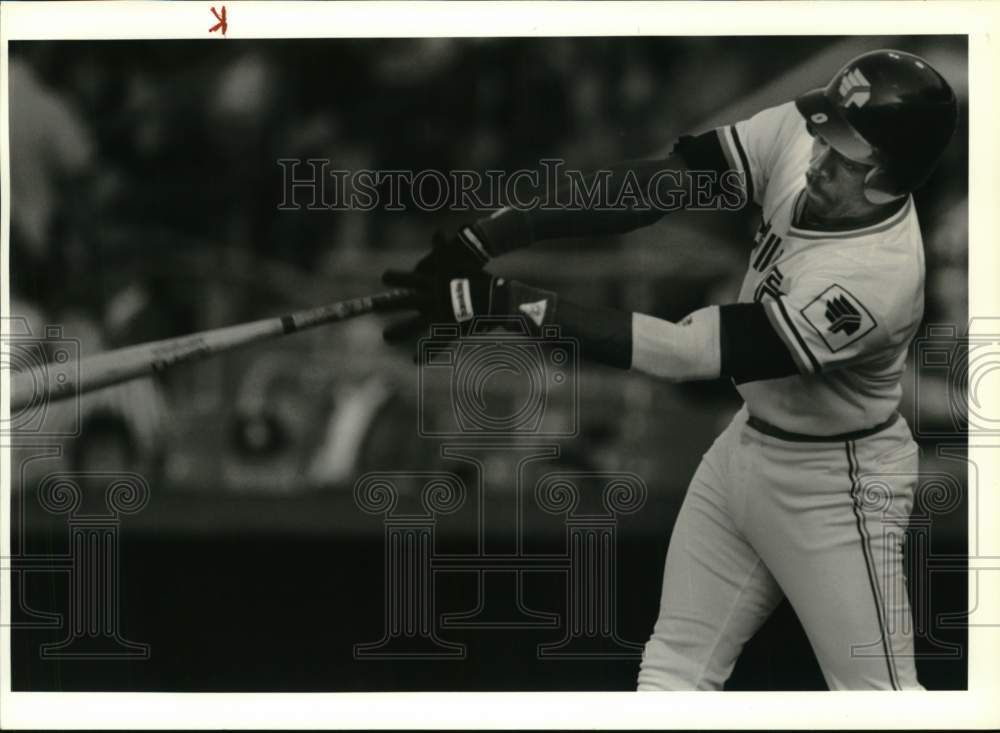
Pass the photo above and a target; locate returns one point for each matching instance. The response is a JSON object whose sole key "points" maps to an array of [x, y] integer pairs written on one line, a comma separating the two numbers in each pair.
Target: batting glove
{"points": [[442, 299], [466, 251]]}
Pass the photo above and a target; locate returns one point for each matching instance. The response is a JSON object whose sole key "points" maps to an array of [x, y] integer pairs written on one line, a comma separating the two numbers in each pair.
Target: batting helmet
{"points": [[887, 109]]}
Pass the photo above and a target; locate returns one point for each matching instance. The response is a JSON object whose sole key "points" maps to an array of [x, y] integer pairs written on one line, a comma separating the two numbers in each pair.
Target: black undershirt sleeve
{"points": [[633, 195], [604, 334], [749, 347], [702, 152], [710, 168]]}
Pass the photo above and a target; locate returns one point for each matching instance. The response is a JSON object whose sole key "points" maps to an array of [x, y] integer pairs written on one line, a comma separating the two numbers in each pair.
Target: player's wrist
{"points": [[480, 294], [503, 231], [473, 245], [603, 335]]}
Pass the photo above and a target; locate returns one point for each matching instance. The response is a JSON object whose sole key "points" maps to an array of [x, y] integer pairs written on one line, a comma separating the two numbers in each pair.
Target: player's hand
{"points": [[464, 252], [443, 299], [440, 299]]}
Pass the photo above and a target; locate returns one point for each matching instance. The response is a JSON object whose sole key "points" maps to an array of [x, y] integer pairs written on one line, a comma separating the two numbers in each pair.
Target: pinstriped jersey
{"points": [[845, 303]]}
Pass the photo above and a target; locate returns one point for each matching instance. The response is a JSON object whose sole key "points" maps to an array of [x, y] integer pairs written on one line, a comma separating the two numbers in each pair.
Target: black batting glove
{"points": [[443, 299], [467, 251], [463, 253]]}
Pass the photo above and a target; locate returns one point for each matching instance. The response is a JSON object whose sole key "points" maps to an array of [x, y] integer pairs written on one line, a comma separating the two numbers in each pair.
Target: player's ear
{"points": [[880, 188]]}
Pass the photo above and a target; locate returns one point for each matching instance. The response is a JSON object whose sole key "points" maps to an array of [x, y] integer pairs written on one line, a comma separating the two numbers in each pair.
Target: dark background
{"points": [[145, 189]]}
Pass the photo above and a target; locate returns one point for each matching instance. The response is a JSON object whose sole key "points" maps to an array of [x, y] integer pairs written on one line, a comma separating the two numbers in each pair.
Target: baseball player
{"points": [[808, 491]]}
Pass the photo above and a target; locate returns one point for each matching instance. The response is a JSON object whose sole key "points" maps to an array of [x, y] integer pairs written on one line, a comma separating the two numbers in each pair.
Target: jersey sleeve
{"points": [[833, 319], [749, 148]]}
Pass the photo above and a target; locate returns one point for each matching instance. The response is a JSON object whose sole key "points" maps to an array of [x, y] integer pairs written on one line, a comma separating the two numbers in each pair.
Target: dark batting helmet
{"points": [[887, 109]]}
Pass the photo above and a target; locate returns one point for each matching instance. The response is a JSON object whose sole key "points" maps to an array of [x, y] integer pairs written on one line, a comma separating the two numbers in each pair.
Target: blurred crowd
{"points": [[144, 202]]}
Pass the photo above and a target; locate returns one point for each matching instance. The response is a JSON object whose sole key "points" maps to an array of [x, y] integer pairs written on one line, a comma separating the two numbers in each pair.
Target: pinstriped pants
{"points": [[820, 523]]}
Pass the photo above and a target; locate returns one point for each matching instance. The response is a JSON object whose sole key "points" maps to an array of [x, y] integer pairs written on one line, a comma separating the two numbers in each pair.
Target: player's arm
{"points": [[736, 341], [725, 169], [820, 326], [617, 200], [844, 315], [629, 196]]}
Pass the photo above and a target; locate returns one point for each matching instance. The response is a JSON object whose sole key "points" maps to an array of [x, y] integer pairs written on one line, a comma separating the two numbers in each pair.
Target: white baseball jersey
{"points": [[846, 303]]}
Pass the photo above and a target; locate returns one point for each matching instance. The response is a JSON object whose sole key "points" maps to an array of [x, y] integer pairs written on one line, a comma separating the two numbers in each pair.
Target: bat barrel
{"points": [[55, 381]]}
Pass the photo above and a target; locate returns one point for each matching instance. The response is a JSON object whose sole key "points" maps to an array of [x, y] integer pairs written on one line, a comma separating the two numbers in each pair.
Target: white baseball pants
{"points": [[821, 523]]}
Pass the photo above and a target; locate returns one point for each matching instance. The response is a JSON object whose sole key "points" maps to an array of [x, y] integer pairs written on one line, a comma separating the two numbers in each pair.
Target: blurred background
{"points": [[145, 194]]}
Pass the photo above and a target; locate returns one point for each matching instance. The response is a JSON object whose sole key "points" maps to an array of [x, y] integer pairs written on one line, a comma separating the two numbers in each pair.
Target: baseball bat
{"points": [[54, 381]]}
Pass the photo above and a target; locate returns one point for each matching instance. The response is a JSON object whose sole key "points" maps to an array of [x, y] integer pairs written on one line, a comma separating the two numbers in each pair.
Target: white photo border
{"points": [[978, 707]]}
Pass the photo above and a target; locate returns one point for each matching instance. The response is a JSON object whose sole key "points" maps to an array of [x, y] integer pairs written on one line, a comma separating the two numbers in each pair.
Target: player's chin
{"points": [[817, 195]]}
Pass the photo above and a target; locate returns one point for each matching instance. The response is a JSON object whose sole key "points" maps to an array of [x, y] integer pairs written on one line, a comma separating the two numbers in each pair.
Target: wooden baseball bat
{"points": [[55, 381]]}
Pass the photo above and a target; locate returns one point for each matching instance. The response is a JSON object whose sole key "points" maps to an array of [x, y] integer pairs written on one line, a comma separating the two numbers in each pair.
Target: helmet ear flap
{"points": [[880, 188]]}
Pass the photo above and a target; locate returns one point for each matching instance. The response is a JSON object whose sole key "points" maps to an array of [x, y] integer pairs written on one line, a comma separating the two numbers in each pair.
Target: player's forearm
{"points": [[511, 229], [618, 200], [735, 341], [677, 352]]}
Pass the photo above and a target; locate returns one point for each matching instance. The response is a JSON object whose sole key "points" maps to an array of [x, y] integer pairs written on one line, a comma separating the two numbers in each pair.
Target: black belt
{"points": [[775, 432]]}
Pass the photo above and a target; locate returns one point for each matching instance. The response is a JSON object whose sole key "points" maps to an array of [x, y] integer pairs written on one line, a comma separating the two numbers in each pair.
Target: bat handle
{"points": [[391, 300]]}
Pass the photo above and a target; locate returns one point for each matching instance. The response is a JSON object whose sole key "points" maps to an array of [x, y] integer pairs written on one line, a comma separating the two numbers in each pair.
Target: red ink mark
{"points": [[222, 21]]}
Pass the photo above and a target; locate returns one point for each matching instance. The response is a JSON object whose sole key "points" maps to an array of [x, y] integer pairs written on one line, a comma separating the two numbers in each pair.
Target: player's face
{"points": [[835, 185]]}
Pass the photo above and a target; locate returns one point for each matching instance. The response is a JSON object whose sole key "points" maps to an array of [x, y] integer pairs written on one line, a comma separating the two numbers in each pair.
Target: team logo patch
{"points": [[855, 89], [838, 317]]}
